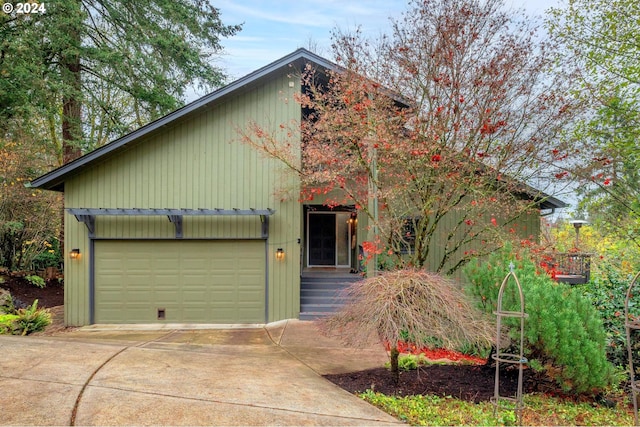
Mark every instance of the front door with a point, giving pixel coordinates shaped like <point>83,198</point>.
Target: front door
<point>328,239</point>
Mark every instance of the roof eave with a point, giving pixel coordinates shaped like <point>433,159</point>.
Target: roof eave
<point>54,180</point>
<point>550,202</point>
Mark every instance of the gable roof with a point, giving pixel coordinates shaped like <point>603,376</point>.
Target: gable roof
<point>54,180</point>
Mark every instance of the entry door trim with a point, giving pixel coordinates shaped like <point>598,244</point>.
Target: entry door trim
<point>348,242</point>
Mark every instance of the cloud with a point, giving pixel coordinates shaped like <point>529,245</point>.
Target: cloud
<point>316,13</point>
<point>274,28</point>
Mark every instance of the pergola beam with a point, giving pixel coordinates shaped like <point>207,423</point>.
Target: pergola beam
<point>88,215</point>
<point>167,212</point>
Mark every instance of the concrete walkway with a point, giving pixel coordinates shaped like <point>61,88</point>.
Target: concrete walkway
<point>148,376</point>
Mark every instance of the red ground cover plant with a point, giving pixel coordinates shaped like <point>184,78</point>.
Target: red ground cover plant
<point>437,353</point>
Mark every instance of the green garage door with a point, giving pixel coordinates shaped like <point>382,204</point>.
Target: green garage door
<point>183,281</point>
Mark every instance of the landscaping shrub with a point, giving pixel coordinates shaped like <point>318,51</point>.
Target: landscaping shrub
<point>409,305</point>
<point>36,281</point>
<point>6,303</point>
<point>607,292</point>
<point>564,332</point>
<point>11,240</point>
<point>24,320</point>
<point>48,256</point>
<point>6,323</point>
<point>411,361</point>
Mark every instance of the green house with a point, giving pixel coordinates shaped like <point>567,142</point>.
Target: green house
<point>180,222</point>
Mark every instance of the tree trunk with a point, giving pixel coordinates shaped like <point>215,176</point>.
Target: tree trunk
<point>71,101</point>
<point>71,111</point>
<point>72,95</point>
<point>394,355</point>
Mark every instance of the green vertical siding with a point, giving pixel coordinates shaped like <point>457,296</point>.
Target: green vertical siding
<point>76,273</point>
<point>197,163</point>
<point>526,227</point>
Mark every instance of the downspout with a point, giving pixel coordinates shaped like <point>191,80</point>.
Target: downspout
<point>372,267</point>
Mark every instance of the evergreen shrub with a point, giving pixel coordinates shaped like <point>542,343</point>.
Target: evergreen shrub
<point>607,292</point>
<point>563,333</point>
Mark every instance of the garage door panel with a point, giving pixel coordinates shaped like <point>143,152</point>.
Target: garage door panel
<point>194,315</point>
<point>196,281</point>
<point>249,278</point>
<point>136,265</point>
<point>193,281</point>
<point>110,298</point>
<point>191,298</point>
<point>251,296</point>
<point>244,312</point>
<point>167,283</point>
<point>217,297</point>
<point>137,296</point>
<point>164,299</point>
<point>230,314</point>
<point>195,264</point>
<point>246,289</point>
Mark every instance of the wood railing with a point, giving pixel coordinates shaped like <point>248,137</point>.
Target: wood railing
<point>573,268</point>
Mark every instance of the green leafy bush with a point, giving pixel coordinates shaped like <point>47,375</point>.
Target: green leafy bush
<point>540,409</point>
<point>36,281</point>
<point>31,319</point>
<point>25,320</point>
<point>564,332</point>
<point>11,240</point>
<point>7,305</point>
<point>6,323</point>
<point>50,256</point>
<point>607,293</point>
<point>408,362</point>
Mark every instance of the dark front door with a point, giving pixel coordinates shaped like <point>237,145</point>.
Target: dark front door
<point>322,239</point>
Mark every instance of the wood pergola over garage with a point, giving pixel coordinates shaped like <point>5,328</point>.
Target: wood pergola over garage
<point>176,280</point>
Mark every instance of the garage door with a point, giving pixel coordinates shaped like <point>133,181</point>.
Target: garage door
<point>179,281</point>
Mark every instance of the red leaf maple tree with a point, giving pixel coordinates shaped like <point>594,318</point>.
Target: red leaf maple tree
<point>432,132</point>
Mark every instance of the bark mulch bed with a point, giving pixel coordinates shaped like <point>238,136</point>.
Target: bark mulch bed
<point>24,293</point>
<point>473,383</point>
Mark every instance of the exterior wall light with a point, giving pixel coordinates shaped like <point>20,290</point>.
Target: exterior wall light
<point>280,254</point>
<point>353,219</point>
<point>74,254</point>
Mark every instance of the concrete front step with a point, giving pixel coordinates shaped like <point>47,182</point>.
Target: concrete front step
<point>329,287</point>
<point>322,299</point>
<point>321,295</point>
<point>350,278</point>
<point>312,315</point>
<point>310,311</point>
<point>324,290</point>
<point>325,283</point>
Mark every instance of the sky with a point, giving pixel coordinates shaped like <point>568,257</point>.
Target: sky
<point>275,28</point>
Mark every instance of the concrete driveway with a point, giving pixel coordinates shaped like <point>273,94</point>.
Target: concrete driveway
<point>178,376</point>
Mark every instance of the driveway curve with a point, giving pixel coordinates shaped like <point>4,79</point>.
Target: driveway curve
<point>178,375</point>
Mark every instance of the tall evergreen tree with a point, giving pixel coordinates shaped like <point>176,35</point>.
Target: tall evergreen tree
<point>147,52</point>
